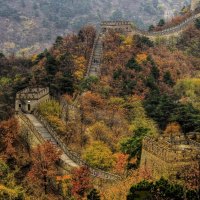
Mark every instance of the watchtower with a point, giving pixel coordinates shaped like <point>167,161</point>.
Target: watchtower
<point>117,26</point>
<point>195,4</point>
<point>29,98</point>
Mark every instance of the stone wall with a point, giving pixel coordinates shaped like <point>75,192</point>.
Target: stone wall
<point>117,26</point>
<point>166,157</point>
<point>28,131</point>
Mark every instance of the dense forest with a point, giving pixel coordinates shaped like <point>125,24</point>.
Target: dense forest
<point>145,88</point>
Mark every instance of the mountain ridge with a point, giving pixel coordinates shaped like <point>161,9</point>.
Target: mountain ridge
<point>29,26</point>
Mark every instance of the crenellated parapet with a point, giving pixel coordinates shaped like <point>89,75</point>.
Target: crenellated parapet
<point>32,93</point>
<point>168,155</point>
<point>28,98</point>
<point>126,27</point>
<point>118,26</point>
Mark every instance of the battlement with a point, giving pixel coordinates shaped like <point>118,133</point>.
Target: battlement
<point>167,156</point>
<point>174,149</point>
<point>117,26</point>
<point>32,93</point>
<point>115,23</point>
<point>28,98</point>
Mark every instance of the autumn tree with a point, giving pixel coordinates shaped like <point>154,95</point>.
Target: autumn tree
<point>81,182</point>
<point>188,91</point>
<point>80,67</point>
<point>51,107</point>
<point>91,103</point>
<point>9,188</point>
<point>116,107</point>
<point>99,131</point>
<point>121,163</point>
<point>43,169</point>
<point>137,115</point>
<point>173,129</point>
<point>99,155</point>
<point>9,131</point>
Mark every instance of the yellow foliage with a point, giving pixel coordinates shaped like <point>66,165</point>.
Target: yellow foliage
<point>128,41</point>
<point>12,193</point>
<point>80,63</point>
<point>99,131</point>
<point>57,123</point>
<point>139,117</point>
<point>189,91</point>
<point>34,57</point>
<point>141,58</point>
<point>99,155</point>
<point>51,107</point>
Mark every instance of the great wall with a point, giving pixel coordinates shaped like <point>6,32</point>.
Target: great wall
<point>170,155</point>
<point>157,149</point>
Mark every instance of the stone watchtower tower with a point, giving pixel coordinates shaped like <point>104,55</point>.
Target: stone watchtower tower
<point>28,98</point>
<point>195,4</point>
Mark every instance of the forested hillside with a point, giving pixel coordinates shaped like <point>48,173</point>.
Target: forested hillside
<point>28,26</point>
<point>145,88</point>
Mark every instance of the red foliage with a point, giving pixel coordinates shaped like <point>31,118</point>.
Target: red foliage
<point>44,158</point>
<point>121,163</point>
<point>8,134</point>
<point>173,22</point>
<point>81,182</point>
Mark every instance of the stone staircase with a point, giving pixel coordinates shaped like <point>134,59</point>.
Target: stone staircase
<point>39,127</point>
<point>96,57</point>
<point>44,132</point>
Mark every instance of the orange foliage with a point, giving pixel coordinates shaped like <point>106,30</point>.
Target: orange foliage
<point>177,63</point>
<point>8,133</point>
<point>121,163</point>
<point>173,129</point>
<point>81,182</point>
<point>145,173</point>
<point>141,58</point>
<point>44,158</point>
<point>63,178</point>
<point>90,104</point>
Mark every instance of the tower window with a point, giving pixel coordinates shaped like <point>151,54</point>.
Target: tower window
<point>20,105</point>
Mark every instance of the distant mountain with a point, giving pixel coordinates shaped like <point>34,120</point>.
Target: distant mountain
<point>27,26</point>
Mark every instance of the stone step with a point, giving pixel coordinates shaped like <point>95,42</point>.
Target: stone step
<point>47,136</point>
